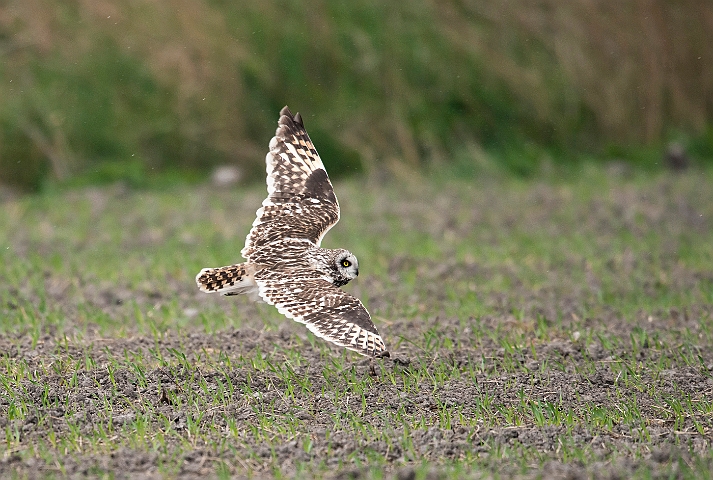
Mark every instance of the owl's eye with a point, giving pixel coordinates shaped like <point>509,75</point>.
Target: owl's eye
<point>346,263</point>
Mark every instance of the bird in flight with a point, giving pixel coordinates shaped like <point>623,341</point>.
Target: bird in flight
<point>285,265</point>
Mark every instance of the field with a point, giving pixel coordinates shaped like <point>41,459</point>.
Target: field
<point>555,326</point>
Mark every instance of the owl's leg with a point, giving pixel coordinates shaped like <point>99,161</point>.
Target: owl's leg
<point>382,354</point>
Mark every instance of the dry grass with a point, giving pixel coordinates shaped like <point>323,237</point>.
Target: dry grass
<point>382,84</point>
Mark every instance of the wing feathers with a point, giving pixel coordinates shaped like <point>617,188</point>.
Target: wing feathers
<point>299,210</point>
<point>330,313</point>
<point>300,199</point>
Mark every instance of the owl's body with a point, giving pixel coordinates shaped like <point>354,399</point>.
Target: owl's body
<point>286,266</point>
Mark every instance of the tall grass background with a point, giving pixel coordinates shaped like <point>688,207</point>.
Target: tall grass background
<point>97,90</point>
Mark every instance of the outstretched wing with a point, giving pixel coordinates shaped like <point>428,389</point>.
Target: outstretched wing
<point>300,203</point>
<point>329,312</point>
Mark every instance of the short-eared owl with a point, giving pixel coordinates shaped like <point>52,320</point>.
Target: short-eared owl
<point>285,265</point>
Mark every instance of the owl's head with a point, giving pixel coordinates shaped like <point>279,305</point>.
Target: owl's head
<point>346,267</point>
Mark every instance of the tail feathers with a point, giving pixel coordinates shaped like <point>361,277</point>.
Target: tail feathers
<point>231,280</point>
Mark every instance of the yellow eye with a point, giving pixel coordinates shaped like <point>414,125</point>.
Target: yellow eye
<point>346,263</point>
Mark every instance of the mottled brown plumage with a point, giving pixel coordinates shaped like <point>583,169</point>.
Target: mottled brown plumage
<point>286,266</point>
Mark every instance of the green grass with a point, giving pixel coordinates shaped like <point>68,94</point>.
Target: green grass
<point>566,320</point>
<point>122,90</point>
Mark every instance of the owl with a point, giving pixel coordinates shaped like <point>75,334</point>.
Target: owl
<point>285,265</point>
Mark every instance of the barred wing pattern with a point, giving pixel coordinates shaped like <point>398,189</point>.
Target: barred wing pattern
<point>285,265</point>
<point>327,311</point>
<point>300,202</point>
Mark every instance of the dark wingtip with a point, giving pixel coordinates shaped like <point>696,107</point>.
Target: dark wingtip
<point>286,118</point>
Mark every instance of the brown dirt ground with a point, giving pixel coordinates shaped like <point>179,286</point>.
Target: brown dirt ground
<point>583,375</point>
<point>574,390</point>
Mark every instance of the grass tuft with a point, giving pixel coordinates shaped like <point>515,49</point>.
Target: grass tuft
<point>550,327</point>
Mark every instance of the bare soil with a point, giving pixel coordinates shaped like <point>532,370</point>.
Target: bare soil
<point>566,367</point>
<point>571,389</point>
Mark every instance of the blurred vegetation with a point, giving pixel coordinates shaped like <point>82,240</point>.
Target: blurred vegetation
<point>96,90</point>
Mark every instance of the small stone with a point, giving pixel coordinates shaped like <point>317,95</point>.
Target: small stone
<point>226,176</point>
